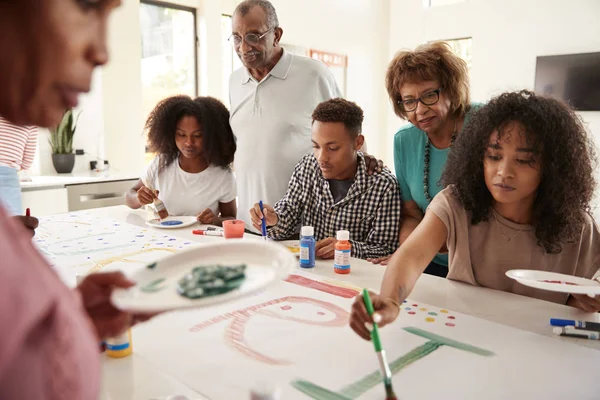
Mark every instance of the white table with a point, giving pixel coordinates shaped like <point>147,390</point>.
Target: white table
<point>134,378</point>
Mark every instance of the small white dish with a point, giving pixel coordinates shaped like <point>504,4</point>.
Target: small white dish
<point>156,290</point>
<point>171,222</point>
<point>555,282</point>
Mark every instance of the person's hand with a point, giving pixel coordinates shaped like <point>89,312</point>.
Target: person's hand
<point>207,217</point>
<point>373,164</point>
<point>96,290</point>
<point>584,302</point>
<point>268,212</point>
<point>30,223</point>
<point>146,196</point>
<point>325,249</point>
<point>386,311</point>
<point>380,260</point>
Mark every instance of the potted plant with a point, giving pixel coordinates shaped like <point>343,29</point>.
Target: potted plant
<point>61,142</point>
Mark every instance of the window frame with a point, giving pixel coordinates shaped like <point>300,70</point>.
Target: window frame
<point>193,10</point>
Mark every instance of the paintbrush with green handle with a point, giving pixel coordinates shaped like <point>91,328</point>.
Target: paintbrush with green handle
<point>383,364</point>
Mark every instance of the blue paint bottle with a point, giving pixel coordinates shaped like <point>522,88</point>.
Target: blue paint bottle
<point>307,247</point>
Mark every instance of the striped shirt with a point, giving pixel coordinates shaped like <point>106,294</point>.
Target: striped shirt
<point>17,145</point>
<point>370,210</point>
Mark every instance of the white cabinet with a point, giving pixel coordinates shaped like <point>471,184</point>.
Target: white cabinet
<point>95,195</point>
<point>44,202</point>
<point>61,198</point>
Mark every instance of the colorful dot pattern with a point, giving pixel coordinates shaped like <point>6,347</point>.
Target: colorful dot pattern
<point>441,316</point>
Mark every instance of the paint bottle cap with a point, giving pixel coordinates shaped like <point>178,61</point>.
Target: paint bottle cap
<point>558,330</point>
<point>263,390</point>
<point>307,231</point>
<point>343,235</point>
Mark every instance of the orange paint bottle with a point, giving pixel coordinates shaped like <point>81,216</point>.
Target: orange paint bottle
<point>343,250</point>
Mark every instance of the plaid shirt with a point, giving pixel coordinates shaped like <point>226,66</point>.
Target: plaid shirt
<point>370,210</point>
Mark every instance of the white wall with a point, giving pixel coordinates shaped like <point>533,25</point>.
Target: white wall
<point>122,91</point>
<point>89,134</point>
<point>507,35</point>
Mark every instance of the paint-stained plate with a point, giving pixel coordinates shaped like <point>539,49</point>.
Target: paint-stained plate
<point>554,282</point>
<point>156,290</point>
<point>172,222</point>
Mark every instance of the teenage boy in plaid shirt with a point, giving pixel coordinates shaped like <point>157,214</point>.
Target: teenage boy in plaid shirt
<point>331,190</point>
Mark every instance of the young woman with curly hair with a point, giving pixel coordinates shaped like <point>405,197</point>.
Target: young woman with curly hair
<point>191,173</point>
<point>429,87</point>
<point>520,181</point>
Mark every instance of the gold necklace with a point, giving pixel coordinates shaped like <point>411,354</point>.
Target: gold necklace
<point>508,238</point>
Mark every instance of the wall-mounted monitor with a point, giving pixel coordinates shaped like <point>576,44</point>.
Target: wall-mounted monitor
<point>574,78</point>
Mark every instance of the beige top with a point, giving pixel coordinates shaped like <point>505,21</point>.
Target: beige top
<point>481,254</point>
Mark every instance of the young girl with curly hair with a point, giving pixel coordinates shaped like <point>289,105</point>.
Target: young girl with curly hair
<point>520,184</point>
<point>191,173</point>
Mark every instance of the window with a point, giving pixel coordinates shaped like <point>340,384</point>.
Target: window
<point>231,61</point>
<point>169,52</point>
<point>462,48</point>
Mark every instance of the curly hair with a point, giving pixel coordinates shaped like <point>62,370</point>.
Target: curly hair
<point>218,141</point>
<point>560,144</point>
<point>430,62</point>
<point>340,110</point>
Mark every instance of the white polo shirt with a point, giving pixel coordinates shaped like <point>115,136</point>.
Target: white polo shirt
<point>271,120</point>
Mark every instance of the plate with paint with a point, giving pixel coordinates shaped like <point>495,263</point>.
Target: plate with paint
<point>172,222</point>
<point>206,275</point>
<point>554,281</point>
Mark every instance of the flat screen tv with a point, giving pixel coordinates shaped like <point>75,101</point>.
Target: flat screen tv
<point>574,78</point>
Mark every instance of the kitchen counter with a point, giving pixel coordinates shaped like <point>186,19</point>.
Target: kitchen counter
<point>54,181</point>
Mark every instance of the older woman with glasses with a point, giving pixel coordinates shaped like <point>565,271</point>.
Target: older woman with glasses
<point>429,87</point>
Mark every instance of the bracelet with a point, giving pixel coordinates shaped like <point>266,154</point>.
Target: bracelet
<point>394,302</point>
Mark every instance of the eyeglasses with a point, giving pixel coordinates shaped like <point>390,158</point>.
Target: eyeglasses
<point>251,38</point>
<point>428,99</point>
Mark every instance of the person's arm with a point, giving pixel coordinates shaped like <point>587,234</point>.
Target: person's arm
<point>382,239</point>
<point>139,195</point>
<point>227,203</point>
<point>95,292</point>
<point>411,217</point>
<point>406,266</point>
<point>227,211</point>
<point>588,265</point>
<point>411,259</point>
<point>30,146</point>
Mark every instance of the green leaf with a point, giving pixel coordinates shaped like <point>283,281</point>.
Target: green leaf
<point>61,137</point>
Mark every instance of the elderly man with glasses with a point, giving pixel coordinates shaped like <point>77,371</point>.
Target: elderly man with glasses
<point>272,98</point>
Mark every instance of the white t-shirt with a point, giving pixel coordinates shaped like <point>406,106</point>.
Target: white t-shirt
<point>187,193</point>
<point>271,120</point>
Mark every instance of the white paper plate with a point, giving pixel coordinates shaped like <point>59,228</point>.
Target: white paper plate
<point>554,282</point>
<point>267,263</point>
<point>158,223</point>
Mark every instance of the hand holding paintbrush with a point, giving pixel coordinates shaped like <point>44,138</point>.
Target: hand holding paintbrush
<point>148,195</point>
<point>383,364</point>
